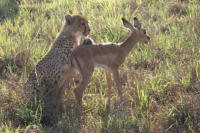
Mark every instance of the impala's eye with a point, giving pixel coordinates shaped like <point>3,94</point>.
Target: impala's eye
<point>144,31</point>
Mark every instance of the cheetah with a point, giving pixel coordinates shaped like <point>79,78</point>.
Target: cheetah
<point>49,70</point>
<point>49,74</point>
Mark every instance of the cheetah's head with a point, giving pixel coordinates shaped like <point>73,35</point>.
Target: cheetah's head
<point>77,24</point>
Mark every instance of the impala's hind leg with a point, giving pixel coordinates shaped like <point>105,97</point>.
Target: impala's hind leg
<point>109,84</point>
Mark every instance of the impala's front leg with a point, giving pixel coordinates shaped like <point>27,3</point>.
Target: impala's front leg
<point>86,76</point>
<point>109,79</point>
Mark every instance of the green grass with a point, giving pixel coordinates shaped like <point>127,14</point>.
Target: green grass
<point>163,78</point>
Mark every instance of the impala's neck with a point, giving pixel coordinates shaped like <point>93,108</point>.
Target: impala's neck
<point>128,44</point>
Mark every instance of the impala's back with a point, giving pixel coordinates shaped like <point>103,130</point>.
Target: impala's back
<point>98,55</point>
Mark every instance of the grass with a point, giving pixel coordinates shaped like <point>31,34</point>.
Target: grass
<point>162,89</point>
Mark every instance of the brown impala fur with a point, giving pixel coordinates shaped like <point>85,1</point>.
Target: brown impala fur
<point>84,58</point>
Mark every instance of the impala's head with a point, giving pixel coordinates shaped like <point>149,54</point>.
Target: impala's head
<point>77,25</point>
<point>136,30</point>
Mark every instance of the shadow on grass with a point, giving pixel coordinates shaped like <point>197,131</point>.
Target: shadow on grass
<point>70,122</point>
<point>105,113</point>
<point>114,120</point>
<point>8,9</point>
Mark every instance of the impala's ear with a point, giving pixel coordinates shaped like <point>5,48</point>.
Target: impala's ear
<point>136,23</point>
<point>127,24</point>
<point>68,19</point>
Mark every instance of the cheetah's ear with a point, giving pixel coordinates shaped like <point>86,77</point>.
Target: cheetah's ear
<point>68,19</point>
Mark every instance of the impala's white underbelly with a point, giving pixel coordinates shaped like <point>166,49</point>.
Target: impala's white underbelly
<point>102,66</point>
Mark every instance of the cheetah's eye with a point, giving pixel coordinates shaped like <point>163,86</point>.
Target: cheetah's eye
<point>83,24</point>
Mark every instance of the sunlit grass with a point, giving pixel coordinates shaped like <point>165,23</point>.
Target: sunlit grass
<point>163,78</point>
